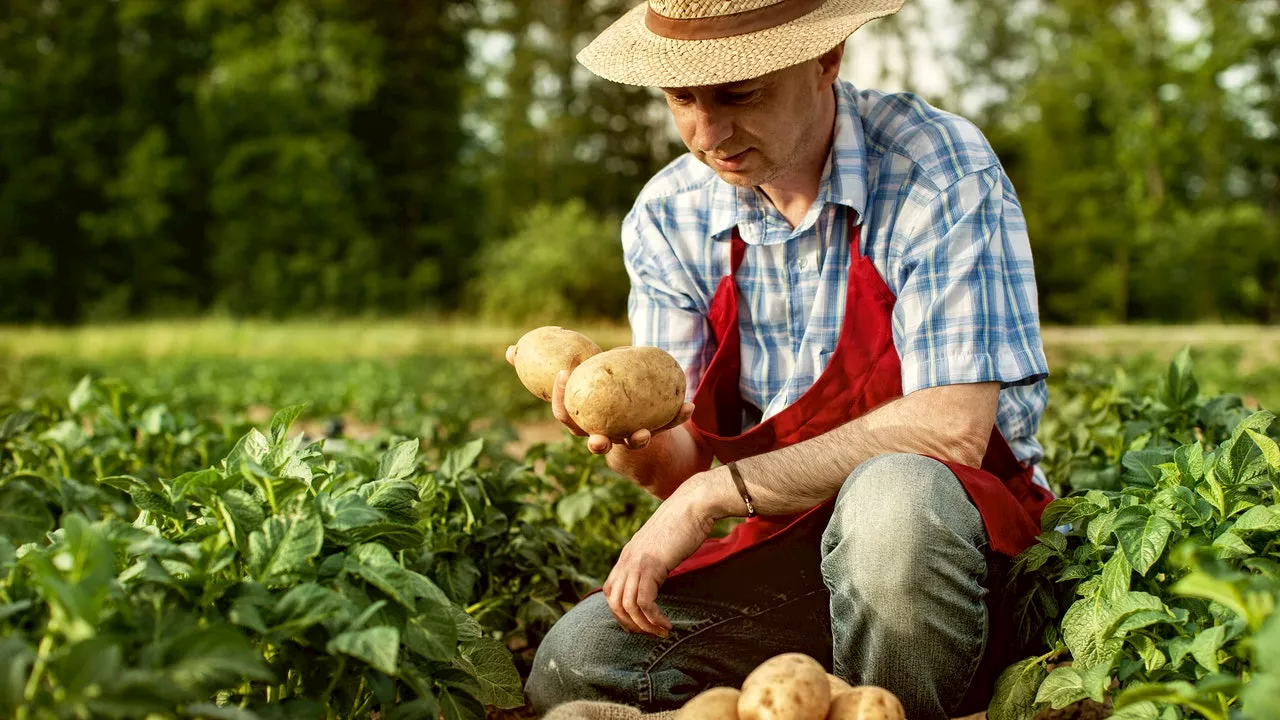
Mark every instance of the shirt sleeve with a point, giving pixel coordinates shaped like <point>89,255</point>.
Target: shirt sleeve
<point>967,309</point>
<point>663,304</point>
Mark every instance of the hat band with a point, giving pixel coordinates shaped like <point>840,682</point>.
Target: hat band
<point>722,26</point>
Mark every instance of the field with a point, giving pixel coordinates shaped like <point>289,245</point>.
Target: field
<point>176,540</point>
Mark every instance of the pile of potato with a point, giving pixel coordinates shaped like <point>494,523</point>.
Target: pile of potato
<point>793,686</point>
<point>612,393</point>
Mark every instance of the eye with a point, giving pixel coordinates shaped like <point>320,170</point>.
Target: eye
<point>680,98</point>
<point>737,98</point>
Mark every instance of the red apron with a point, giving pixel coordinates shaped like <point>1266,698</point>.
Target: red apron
<point>864,372</point>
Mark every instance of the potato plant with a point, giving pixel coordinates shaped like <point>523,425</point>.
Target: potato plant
<point>1158,595</point>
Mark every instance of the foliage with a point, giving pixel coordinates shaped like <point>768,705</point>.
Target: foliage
<point>561,263</point>
<point>1165,581</point>
<point>211,569</point>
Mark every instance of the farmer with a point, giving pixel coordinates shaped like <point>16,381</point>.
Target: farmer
<point>846,279</point>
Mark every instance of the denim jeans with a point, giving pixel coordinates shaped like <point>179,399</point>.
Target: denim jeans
<point>890,590</point>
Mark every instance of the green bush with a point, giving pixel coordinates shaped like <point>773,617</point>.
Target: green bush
<point>563,263</point>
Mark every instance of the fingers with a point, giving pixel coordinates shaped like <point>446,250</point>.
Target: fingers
<point>557,405</point>
<point>511,354</point>
<point>615,593</point>
<point>632,599</point>
<point>686,412</point>
<point>639,439</point>
<point>599,444</point>
<point>647,601</point>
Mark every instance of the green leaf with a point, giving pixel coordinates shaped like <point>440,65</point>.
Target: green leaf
<point>1206,645</point>
<point>377,646</point>
<point>303,606</point>
<point>201,483</point>
<point>16,657</point>
<point>81,396</point>
<point>399,462</point>
<point>74,576</point>
<point>490,663</point>
<point>16,423</point>
<point>396,499</point>
<point>252,447</point>
<point>1142,466</point>
<point>1015,693</point>
<point>350,512</point>
<point>1084,631</point>
<point>24,517</point>
<point>433,635</point>
<point>1175,692</point>
<point>280,553</point>
<point>1069,684</point>
<point>456,705</point>
<point>1232,545</point>
<point>1199,584</point>
<point>1116,574</point>
<point>1152,656</point>
<point>468,628</point>
<point>461,458</point>
<point>283,420</point>
<point>241,513</point>
<point>1142,710</point>
<point>1259,518</point>
<point>424,708</point>
<point>1270,450</point>
<point>210,711</point>
<point>214,655</point>
<point>1190,461</point>
<point>1142,535</point>
<point>1099,529</point>
<point>575,507</point>
<point>1211,490</point>
<point>375,565</point>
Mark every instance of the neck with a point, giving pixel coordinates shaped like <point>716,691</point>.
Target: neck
<point>794,192</point>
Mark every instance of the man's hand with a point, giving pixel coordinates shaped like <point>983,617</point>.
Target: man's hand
<point>670,536</point>
<point>601,444</point>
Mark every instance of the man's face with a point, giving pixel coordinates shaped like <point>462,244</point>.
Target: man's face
<point>753,131</point>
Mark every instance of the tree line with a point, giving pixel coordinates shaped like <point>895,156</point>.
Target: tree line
<point>272,158</point>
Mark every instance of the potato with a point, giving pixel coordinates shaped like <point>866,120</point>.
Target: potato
<point>625,389</point>
<point>837,685</point>
<point>719,703</point>
<point>791,686</point>
<point>866,702</point>
<point>544,352</point>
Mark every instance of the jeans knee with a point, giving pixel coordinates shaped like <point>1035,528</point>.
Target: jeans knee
<point>579,659</point>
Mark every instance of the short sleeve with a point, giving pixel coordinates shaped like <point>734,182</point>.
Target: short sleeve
<point>663,306</point>
<point>967,309</point>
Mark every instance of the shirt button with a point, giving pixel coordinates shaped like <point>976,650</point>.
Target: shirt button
<point>802,263</point>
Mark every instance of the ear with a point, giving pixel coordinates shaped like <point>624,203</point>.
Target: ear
<point>829,65</point>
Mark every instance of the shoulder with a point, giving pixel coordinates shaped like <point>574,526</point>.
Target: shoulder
<point>937,147</point>
<point>684,184</point>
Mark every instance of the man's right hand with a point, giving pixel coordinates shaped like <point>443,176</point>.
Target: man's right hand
<point>601,444</point>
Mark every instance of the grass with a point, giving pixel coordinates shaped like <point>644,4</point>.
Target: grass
<point>1259,347</point>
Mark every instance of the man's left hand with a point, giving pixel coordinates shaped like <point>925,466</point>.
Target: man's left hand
<point>668,537</point>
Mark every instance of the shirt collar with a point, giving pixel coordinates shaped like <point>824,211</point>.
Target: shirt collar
<point>844,178</point>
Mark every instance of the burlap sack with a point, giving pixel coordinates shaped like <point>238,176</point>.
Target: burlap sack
<point>591,710</point>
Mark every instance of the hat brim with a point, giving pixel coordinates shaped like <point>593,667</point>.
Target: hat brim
<point>628,52</point>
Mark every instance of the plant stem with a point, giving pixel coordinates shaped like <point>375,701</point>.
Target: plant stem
<point>37,670</point>
<point>333,683</point>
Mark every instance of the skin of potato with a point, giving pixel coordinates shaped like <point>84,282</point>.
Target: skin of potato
<point>791,686</point>
<point>625,389</point>
<point>720,703</point>
<point>866,702</point>
<point>837,685</point>
<point>545,351</point>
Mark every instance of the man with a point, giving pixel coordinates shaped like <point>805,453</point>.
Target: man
<point>846,279</point>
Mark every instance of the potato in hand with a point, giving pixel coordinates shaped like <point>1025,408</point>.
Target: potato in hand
<point>623,390</point>
<point>542,353</point>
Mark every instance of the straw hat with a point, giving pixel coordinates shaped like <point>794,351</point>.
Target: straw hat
<point>686,43</point>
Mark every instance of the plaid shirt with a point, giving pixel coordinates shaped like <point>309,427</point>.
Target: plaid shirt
<point>940,222</point>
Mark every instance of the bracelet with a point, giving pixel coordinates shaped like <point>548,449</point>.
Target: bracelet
<point>742,489</point>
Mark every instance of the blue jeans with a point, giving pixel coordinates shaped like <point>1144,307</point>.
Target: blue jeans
<point>891,590</point>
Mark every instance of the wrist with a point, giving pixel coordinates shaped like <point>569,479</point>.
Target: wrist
<point>715,495</point>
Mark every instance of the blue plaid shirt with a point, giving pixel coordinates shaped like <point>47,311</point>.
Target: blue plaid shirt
<point>940,222</point>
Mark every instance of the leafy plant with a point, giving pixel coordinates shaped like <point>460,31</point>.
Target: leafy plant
<point>1160,592</point>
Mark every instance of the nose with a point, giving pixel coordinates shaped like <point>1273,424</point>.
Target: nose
<point>712,126</point>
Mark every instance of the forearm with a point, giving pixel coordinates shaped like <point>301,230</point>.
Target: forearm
<point>668,460</point>
<point>800,476</point>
